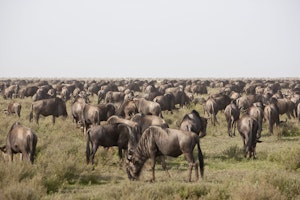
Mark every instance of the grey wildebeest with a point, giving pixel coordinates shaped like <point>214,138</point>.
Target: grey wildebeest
<point>13,108</point>
<point>20,139</point>
<point>195,123</point>
<point>156,141</point>
<point>54,106</point>
<point>232,114</point>
<point>107,135</point>
<point>249,129</point>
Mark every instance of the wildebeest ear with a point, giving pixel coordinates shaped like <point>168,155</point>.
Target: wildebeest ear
<point>3,148</point>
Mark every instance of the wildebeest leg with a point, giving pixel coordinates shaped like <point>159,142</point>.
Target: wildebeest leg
<point>94,150</point>
<point>190,158</point>
<point>120,156</point>
<point>234,127</point>
<point>37,116</point>
<point>153,160</point>
<point>164,166</point>
<point>11,155</point>
<point>229,128</point>
<point>53,120</point>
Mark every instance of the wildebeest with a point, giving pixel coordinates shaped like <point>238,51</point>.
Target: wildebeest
<point>249,130</point>
<point>42,93</point>
<point>271,115</point>
<point>11,91</point>
<point>107,135</point>
<point>256,111</point>
<point>20,139</point>
<point>54,106</point>
<point>156,141</point>
<point>13,107</point>
<point>166,101</point>
<point>28,91</point>
<point>145,121</point>
<point>214,104</point>
<point>195,123</point>
<point>114,97</point>
<point>77,108</point>
<point>127,109</point>
<point>147,107</point>
<point>232,114</point>
<point>93,115</point>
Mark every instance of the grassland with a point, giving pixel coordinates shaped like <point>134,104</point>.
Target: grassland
<point>60,171</point>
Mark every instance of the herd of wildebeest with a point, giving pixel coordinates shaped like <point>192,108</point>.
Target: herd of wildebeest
<point>130,112</point>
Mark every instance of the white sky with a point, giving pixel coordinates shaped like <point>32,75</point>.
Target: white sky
<point>157,38</point>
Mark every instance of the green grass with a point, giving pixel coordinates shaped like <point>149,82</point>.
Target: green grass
<point>60,171</point>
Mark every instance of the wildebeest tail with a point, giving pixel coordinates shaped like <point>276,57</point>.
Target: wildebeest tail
<point>31,113</point>
<point>200,158</point>
<point>32,140</point>
<point>250,138</point>
<point>88,150</point>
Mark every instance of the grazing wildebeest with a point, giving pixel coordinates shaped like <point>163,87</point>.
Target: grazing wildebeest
<point>54,106</point>
<point>107,135</point>
<point>13,107</point>
<point>156,141</point>
<point>249,130</point>
<point>20,139</point>
<point>232,114</point>
<point>195,123</point>
<point>140,122</point>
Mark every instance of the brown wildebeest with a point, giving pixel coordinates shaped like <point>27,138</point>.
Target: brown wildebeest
<point>195,123</point>
<point>249,130</point>
<point>13,107</point>
<point>20,139</point>
<point>54,106</point>
<point>156,141</point>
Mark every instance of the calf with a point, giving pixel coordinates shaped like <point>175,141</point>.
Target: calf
<point>20,139</point>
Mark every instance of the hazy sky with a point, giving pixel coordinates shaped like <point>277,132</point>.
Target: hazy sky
<point>157,38</point>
